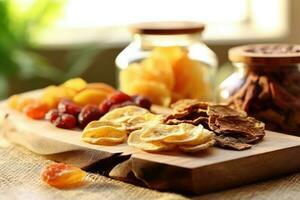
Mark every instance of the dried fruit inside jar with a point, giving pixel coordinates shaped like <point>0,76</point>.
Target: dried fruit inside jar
<point>266,85</point>
<point>167,67</point>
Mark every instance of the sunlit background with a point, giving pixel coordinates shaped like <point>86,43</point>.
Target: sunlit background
<point>47,41</point>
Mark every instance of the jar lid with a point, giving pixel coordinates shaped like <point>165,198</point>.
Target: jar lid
<point>167,28</point>
<point>266,54</point>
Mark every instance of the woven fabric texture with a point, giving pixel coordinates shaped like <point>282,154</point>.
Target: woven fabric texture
<point>20,179</point>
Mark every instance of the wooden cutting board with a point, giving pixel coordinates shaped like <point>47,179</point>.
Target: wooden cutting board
<point>211,170</point>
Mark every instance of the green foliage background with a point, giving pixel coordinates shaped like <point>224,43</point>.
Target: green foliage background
<point>21,22</point>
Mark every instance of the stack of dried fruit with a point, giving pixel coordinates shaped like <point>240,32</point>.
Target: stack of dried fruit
<point>75,103</point>
<point>146,131</point>
<point>233,128</point>
<point>167,75</point>
<point>273,97</point>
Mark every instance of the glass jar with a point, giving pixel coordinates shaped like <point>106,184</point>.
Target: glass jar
<point>167,61</point>
<point>266,84</point>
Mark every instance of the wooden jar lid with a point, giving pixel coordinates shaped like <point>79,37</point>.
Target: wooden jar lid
<point>266,54</point>
<point>167,28</point>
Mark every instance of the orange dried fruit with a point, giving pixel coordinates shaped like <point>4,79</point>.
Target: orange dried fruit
<point>13,101</point>
<point>36,110</point>
<point>22,102</point>
<point>76,84</point>
<point>53,94</point>
<point>172,53</point>
<point>101,86</point>
<point>156,92</point>
<point>90,96</point>
<point>60,175</point>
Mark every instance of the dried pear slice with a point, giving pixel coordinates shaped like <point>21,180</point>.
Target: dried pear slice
<point>192,134</point>
<point>160,132</point>
<point>134,140</point>
<point>122,115</point>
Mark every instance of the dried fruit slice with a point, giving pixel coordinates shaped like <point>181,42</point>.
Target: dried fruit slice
<point>171,53</point>
<point>140,121</point>
<point>156,92</point>
<point>192,134</point>
<point>123,114</point>
<point>53,94</point>
<point>134,140</point>
<point>103,134</point>
<point>160,132</point>
<point>76,84</point>
<point>101,86</point>
<point>60,175</point>
<point>36,110</point>
<point>90,96</point>
<point>157,68</point>
<point>196,148</point>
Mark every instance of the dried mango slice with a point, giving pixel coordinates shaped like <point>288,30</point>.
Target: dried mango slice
<point>192,133</point>
<point>196,148</point>
<point>103,134</point>
<point>101,86</point>
<point>76,84</point>
<point>134,140</point>
<point>160,132</point>
<point>90,96</point>
<point>122,115</point>
<point>156,92</point>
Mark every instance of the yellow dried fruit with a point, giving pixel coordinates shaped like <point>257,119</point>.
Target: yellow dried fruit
<point>90,96</point>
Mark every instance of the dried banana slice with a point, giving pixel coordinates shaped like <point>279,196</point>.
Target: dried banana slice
<point>103,134</point>
<point>134,140</point>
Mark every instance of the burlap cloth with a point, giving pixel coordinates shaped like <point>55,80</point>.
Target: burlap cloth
<point>20,179</point>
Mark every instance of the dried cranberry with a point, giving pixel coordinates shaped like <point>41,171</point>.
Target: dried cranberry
<point>119,105</point>
<point>119,97</point>
<point>69,107</point>
<point>89,113</point>
<point>142,101</point>
<point>66,121</point>
<point>52,115</point>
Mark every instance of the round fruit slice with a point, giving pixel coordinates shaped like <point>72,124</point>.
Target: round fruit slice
<point>123,114</point>
<point>196,148</point>
<point>192,133</point>
<point>103,135</point>
<point>156,92</point>
<point>160,132</point>
<point>141,121</point>
<point>134,140</point>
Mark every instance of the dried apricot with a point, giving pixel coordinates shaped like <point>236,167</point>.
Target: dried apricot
<point>101,86</point>
<point>60,175</point>
<point>76,84</point>
<point>23,102</point>
<point>90,96</point>
<point>13,101</point>
<point>36,110</point>
<point>53,94</point>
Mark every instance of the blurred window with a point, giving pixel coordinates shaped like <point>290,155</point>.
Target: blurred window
<point>227,21</point>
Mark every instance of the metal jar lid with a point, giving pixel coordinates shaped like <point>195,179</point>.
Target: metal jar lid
<point>266,54</point>
<point>167,28</point>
